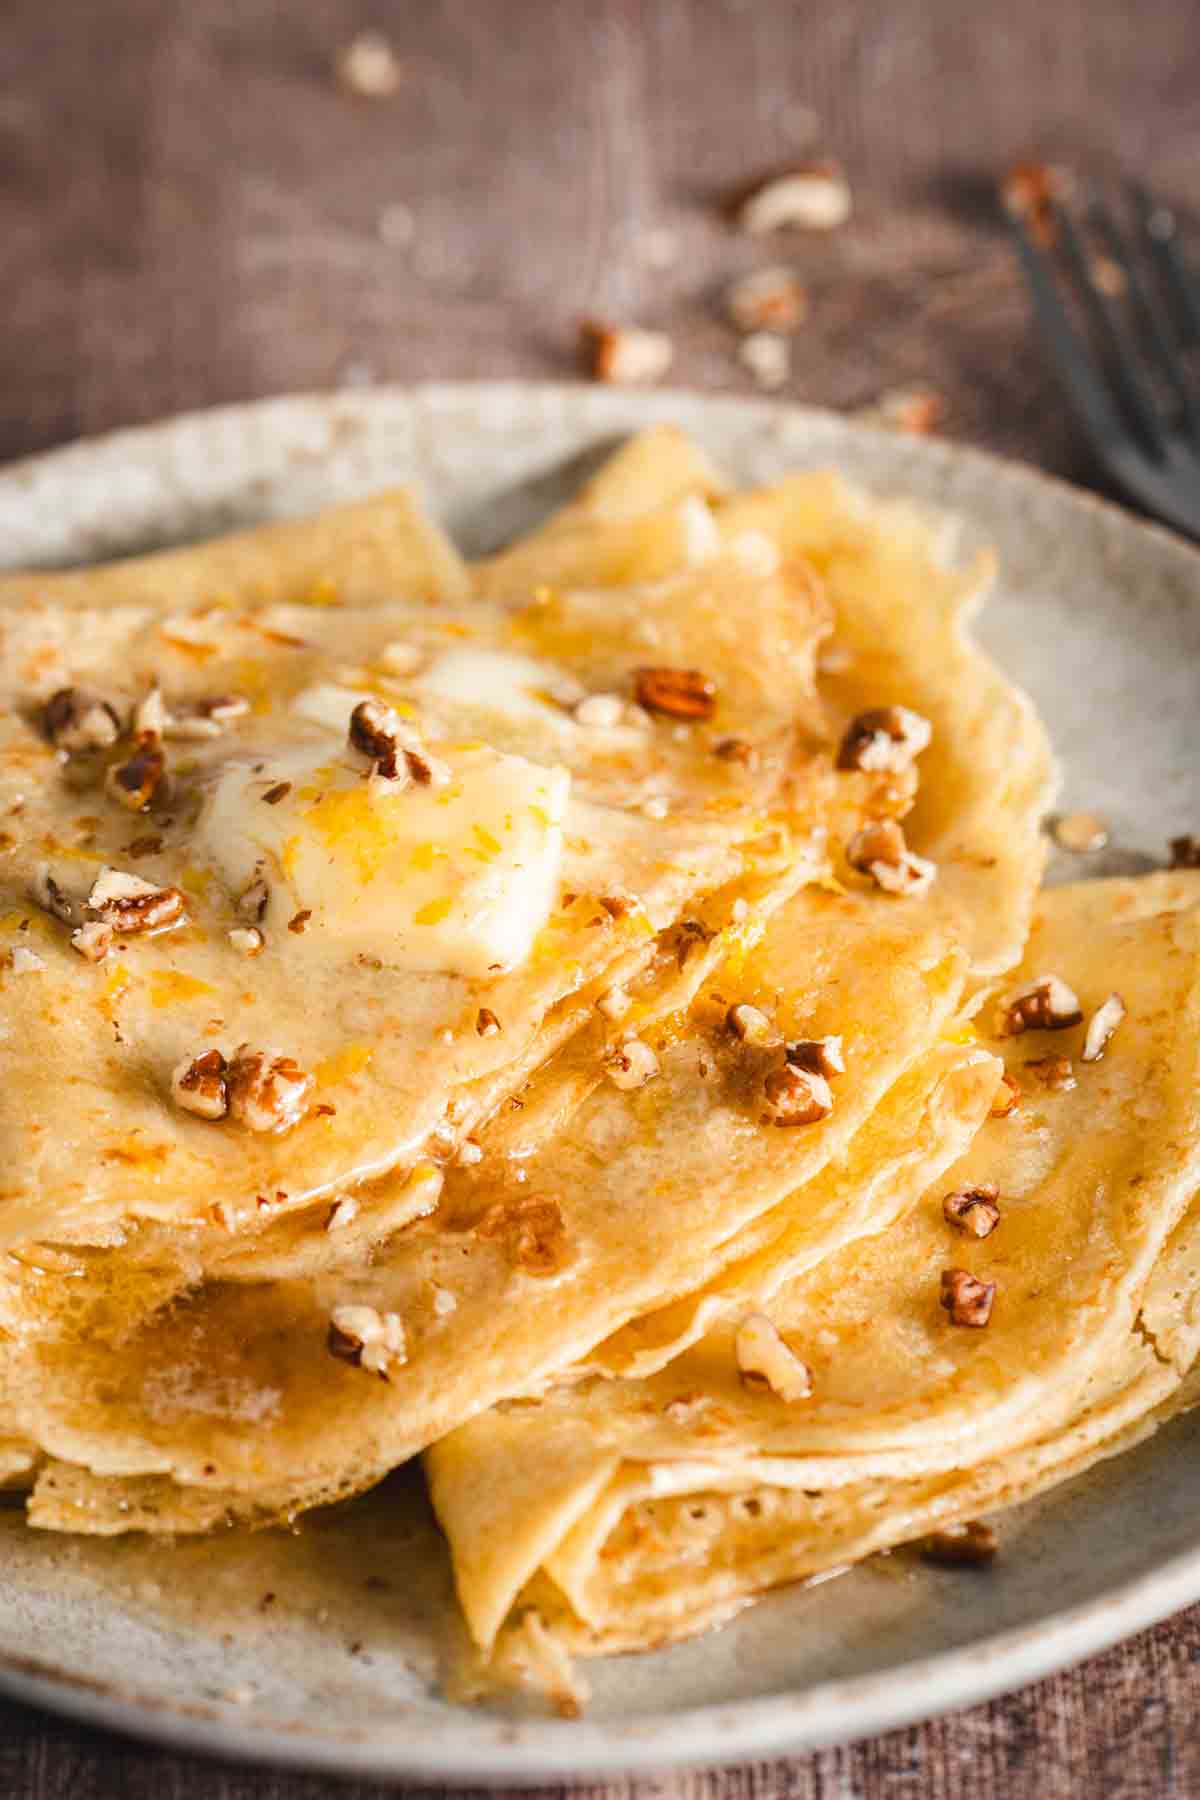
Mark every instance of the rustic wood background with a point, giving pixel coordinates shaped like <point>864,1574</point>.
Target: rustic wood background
<point>192,212</point>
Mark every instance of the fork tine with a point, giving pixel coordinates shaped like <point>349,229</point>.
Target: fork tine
<point>1121,351</point>
<point>1159,230</point>
<point>1150,315</point>
<point>1069,356</point>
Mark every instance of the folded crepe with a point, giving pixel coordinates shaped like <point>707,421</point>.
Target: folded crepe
<point>901,616</point>
<point>382,548</point>
<point>630,1511</point>
<point>667,1354</point>
<point>529,1259</point>
<point>412,937</point>
<point>593,1207</point>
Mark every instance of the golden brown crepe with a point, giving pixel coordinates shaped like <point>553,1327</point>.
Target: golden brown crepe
<point>533,1250</point>
<point>263,1286</point>
<point>541,1203</point>
<point>389,1036</point>
<point>666,1501</point>
<point>384,548</point>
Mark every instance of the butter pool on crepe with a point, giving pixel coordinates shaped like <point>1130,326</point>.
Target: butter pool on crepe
<point>484,891</point>
<point>682,1494</point>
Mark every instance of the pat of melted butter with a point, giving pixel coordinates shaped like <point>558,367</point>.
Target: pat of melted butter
<point>458,879</point>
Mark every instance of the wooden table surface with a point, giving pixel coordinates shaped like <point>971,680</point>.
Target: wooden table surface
<point>193,212</point>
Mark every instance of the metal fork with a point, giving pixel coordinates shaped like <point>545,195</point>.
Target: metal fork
<point>1150,449</point>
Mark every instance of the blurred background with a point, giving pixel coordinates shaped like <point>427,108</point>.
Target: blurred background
<point>212,201</point>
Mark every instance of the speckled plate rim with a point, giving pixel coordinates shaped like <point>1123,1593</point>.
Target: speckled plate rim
<point>136,486</point>
<point>534,1752</point>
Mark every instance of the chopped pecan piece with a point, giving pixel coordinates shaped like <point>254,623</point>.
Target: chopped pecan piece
<point>631,1064</point>
<point>267,1091</point>
<point>1046,1004</point>
<point>885,738</point>
<point>1029,191</point>
<point>131,906</point>
<point>768,300</point>
<point>252,901</point>
<point>970,1545</point>
<point>614,1003</point>
<point>368,1339</point>
<point>1054,1072</point>
<point>916,410</point>
<point>1185,851</point>
<point>136,781</point>
<point>624,355</point>
<point>1108,276</point>
<point>967,1299</point>
<point>1101,1026</point>
<point>768,358</point>
<point>368,67</point>
<point>749,1024</point>
<point>532,1232</point>
<point>150,845</point>
<point>426,770</point>
<point>206,718</point>
<point>376,731</point>
<point>298,923</point>
<point>1007,1098</point>
<point>486,1022</point>
<point>117,904</point>
<point>93,940</point>
<point>676,693</point>
<point>275,795</point>
<point>797,1096</point>
<point>973,1209</point>
<point>814,196</point>
<point>76,719</point>
<point>817,1056</point>
<point>51,897</point>
<point>690,936</point>
<point>198,1085</point>
<point>880,851</point>
<point>765,1360</point>
<point>737,750</point>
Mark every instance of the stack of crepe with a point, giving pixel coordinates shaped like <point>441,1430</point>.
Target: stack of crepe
<point>589,1017</point>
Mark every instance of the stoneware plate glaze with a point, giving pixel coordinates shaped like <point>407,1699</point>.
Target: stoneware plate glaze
<point>338,1646</point>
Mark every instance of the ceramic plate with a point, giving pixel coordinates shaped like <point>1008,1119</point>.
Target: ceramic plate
<point>337,1646</point>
